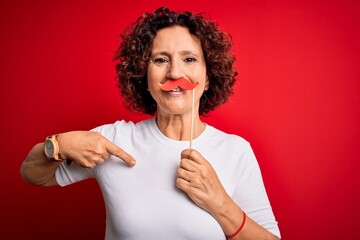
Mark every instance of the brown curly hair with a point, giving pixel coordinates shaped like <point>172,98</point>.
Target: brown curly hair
<point>133,55</point>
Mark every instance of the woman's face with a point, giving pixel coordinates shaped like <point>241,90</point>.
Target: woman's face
<point>176,54</point>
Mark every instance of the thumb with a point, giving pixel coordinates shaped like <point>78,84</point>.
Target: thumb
<point>193,155</point>
<point>118,152</point>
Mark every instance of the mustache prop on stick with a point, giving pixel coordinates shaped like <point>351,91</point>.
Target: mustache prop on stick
<point>181,83</point>
<point>186,85</point>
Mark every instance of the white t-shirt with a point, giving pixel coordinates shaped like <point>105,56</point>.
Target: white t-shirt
<point>143,202</point>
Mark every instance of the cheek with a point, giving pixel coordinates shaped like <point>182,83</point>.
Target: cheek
<point>152,83</point>
<point>150,79</point>
<point>153,75</point>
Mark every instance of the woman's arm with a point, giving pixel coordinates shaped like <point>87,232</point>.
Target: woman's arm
<point>231,217</point>
<point>84,148</point>
<point>199,180</point>
<point>37,169</point>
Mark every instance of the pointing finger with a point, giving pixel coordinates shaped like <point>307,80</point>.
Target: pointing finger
<point>118,152</point>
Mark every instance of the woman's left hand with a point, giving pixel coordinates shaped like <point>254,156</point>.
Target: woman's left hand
<point>198,179</point>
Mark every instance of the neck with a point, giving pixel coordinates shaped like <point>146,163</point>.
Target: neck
<point>178,127</point>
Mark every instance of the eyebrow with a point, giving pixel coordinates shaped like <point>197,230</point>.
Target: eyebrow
<point>184,52</point>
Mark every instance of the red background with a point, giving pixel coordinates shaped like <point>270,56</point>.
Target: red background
<point>297,101</point>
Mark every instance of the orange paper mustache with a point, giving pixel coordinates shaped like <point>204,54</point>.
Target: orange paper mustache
<point>183,83</point>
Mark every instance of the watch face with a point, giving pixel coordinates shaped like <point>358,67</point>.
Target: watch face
<point>49,149</point>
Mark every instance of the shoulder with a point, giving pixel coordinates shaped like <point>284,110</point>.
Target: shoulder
<point>122,126</point>
<point>228,138</point>
<point>217,144</point>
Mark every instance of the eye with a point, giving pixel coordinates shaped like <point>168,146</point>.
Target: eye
<point>190,59</point>
<point>160,61</point>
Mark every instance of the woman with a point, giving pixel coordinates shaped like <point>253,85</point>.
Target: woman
<point>213,190</point>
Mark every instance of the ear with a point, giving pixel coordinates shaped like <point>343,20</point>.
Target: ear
<point>207,83</point>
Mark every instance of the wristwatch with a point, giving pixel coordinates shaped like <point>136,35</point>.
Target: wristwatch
<point>51,148</point>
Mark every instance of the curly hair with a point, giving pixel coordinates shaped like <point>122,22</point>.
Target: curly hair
<point>134,52</point>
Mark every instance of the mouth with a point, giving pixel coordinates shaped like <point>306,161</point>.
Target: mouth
<point>177,89</point>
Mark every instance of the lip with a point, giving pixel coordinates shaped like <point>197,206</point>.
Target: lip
<point>176,93</point>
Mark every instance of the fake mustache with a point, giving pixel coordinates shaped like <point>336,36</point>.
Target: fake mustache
<point>182,83</point>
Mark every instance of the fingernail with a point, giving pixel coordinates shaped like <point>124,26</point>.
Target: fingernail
<point>132,163</point>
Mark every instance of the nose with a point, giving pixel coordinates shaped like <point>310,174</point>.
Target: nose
<point>175,70</point>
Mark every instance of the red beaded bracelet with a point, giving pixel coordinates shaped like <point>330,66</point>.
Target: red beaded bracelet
<point>241,227</point>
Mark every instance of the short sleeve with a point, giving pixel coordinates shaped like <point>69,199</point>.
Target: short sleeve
<point>250,194</point>
<point>68,174</point>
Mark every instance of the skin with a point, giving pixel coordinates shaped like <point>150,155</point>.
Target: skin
<point>83,147</point>
<point>175,54</point>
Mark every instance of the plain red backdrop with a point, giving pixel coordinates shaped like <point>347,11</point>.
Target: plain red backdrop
<point>297,101</point>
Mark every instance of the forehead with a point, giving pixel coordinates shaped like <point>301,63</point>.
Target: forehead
<point>176,38</point>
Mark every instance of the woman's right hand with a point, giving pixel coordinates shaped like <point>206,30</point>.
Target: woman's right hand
<point>87,148</point>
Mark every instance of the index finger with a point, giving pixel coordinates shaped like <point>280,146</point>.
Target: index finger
<point>118,152</point>
<point>192,154</point>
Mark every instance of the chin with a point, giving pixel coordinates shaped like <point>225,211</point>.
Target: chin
<point>176,111</point>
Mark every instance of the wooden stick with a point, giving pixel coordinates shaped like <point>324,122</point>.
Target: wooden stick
<point>192,118</point>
